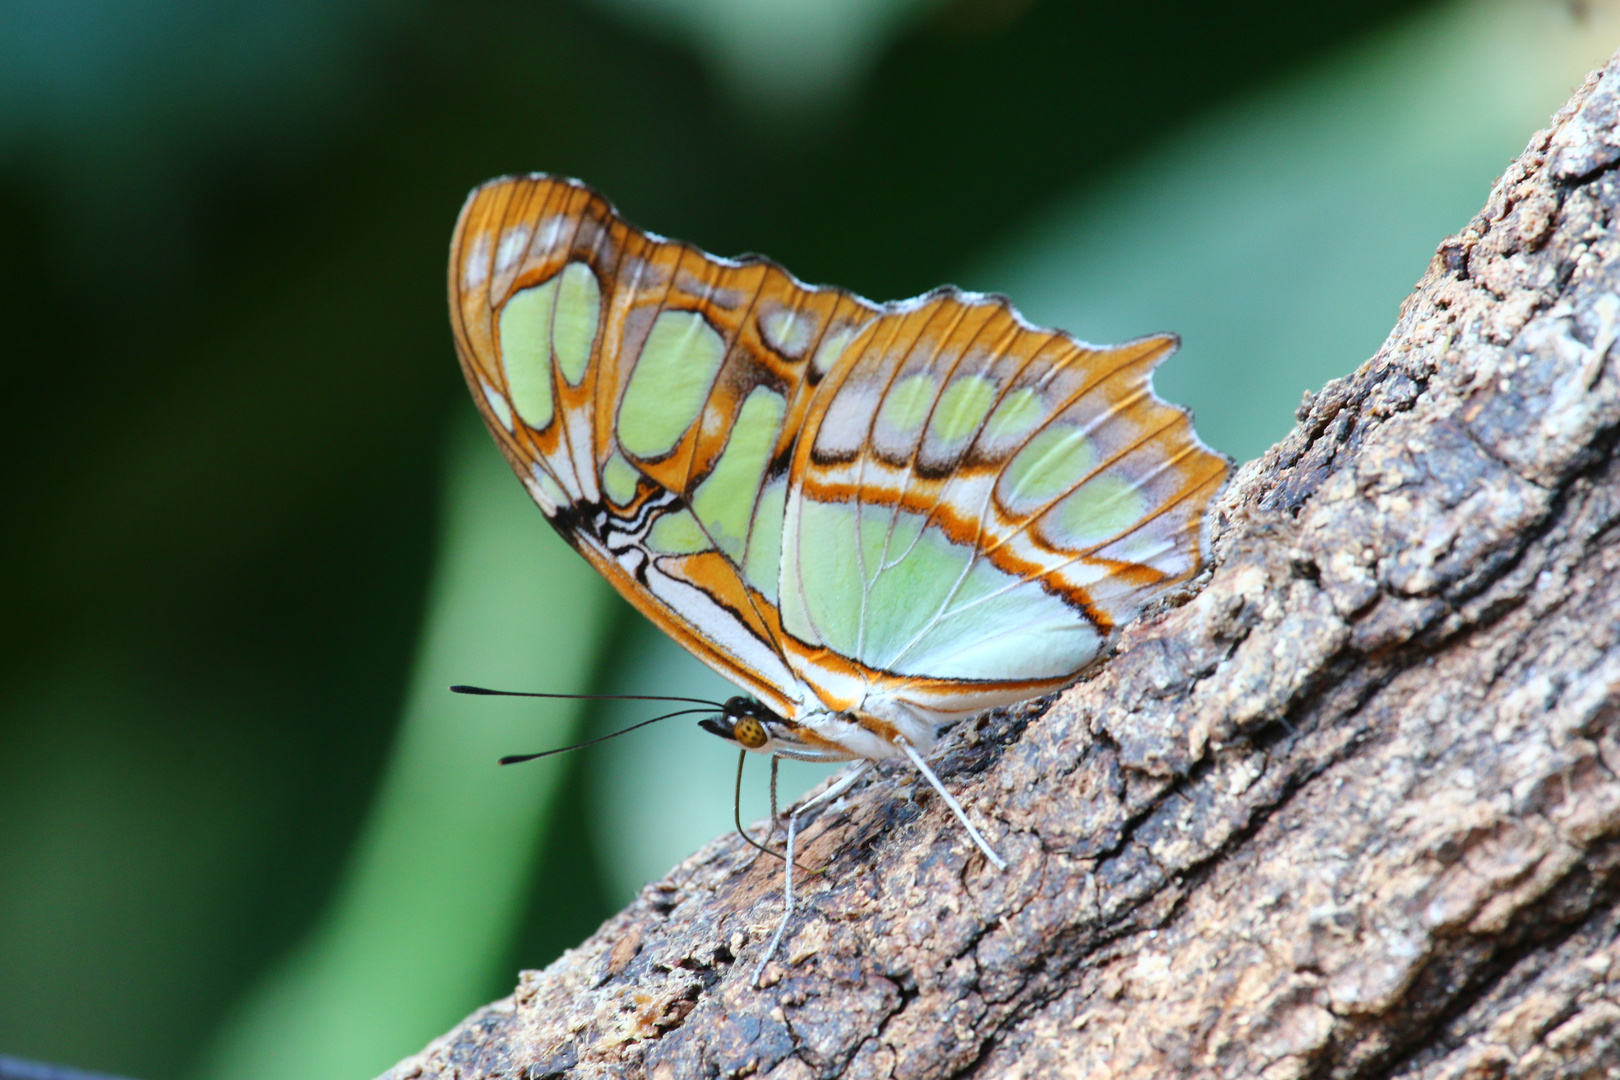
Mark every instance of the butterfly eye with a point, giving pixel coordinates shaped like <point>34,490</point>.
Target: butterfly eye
<point>750,732</point>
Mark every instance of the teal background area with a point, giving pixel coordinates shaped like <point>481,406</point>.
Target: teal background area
<point>253,529</point>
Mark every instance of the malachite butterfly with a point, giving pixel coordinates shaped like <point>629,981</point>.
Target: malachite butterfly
<point>875,518</point>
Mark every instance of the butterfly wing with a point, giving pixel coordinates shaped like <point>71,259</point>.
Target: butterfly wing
<point>975,504</point>
<point>928,502</point>
<point>647,395</point>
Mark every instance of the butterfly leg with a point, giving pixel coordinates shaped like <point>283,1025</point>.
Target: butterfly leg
<point>736,811</point>
<point>950,801</point>
<point>787,875</point>
<point>775,763</point>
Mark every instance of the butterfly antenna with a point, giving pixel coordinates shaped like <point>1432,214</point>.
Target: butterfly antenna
<point>487,692</point>
<point>513,759</point>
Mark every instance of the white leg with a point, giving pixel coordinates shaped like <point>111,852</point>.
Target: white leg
<point>956,807</point>
<point>787,873</point>
<point>787,905</point>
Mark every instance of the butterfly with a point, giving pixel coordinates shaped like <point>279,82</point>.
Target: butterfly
<point>876,519</point>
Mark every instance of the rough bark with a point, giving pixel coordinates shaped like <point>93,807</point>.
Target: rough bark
<point>1352,810</point>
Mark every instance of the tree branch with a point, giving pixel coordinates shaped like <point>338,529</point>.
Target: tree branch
<point>1351,811</point>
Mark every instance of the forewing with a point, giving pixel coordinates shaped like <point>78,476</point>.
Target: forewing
<point>647,394</point>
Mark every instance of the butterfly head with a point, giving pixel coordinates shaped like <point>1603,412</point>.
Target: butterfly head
<point>747,723</point>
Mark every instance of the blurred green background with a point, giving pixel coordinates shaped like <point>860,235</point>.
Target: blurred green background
<point>252,530</point>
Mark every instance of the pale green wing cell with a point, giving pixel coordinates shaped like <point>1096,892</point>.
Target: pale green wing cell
<point>670,383</point>
<point>578,311</point>
<point>832,346</point>
<point>525,336</point>
<point>1014,419</point>
<point>619,479</point>
<point>935,608</point>
<point>725,499</point>
<point>904,411</point>
<point>822,584</point>
<point>1135,511</point>
<point>677,532</point>
<point>497,404</point>
<point>1050,464</point>
<point>556,319</point>
<point>762,563</point>
<point>958,415</point>
<point>1097,511</point>
<point>1001,627</point>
